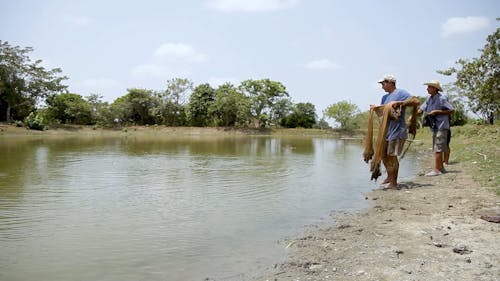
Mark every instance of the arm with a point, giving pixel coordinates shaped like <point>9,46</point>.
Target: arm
<point>441,112</point>
<point>446,108</point>
<point>411,101</point>
<point>378,109</point>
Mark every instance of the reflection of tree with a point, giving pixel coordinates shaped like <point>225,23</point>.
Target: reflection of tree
<point>19,153</point>
<point>299,145</point>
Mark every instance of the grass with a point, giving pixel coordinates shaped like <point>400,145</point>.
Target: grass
<point>477,147</point>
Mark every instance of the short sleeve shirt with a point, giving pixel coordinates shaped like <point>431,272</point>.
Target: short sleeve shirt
<point>438,102</point>
<point>397,128</point>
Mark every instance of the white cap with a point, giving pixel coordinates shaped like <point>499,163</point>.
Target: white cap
<point>388,78</point>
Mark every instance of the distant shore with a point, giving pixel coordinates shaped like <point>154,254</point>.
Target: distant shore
<point>163,130</point>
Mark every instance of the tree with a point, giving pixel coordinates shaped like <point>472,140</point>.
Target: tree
<point>303,115</point>
<point>99,110</point>
<point>263,94</point>
<point>69,108</point>
<point>231,107</point>
<point>201,99</point>
<point>24,83</point>
<point>174,98</point>
<point>280,110</point>
<point>478,79</point>
<point>459,116</point>
<point>343,113</point>
<point>134,107</point>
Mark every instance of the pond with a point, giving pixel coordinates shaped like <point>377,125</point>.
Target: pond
<point>168,208</point>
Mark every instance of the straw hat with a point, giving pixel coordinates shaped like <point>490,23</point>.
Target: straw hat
<point>435,84</point>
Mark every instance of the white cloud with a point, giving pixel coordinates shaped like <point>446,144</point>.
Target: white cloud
<point>322,64</point>
<point>157,71</point>
<point>178,53</point>
<point>464,25</point>
<point>251,5</point>
<point>170,60</point>
<point>77,20</point>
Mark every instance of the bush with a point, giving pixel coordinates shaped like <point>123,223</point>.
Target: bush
<point>35,121</point>
<point>19,123</point>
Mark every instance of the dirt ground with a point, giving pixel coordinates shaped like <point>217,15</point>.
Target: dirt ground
<point>430,229</point>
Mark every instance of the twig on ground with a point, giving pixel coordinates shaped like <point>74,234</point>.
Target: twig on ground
<point>484,155</point>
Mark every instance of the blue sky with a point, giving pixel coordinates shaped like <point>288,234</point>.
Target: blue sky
<point>323,51</point>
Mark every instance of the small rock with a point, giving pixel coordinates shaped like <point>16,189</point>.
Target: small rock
<point>461,250</point>
<point>438,244</point>
<point>361,272</point>
<point>315,267</point>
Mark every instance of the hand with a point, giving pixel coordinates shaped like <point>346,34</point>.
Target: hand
<point>395,103</point>
<point>434,112</point>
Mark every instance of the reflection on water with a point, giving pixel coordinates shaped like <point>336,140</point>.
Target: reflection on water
<point>139,208</point>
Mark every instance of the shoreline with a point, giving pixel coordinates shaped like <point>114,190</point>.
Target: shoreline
<point>65,130</point>
<point>430,229</point>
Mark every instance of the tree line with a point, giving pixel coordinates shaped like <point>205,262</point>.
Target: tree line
<point>25,85</point>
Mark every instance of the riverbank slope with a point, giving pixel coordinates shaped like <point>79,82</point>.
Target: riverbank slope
<point>434,228</point>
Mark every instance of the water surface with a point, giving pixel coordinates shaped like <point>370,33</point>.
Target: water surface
<point>167,208</point>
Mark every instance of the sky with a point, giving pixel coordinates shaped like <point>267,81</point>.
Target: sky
<point>322,51</point>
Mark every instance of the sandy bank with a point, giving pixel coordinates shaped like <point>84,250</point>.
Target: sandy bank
<point>431,229</point>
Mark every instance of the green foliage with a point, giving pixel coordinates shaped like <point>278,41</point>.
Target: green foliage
<point>172,102</point>
<point>263,95</point>
<point>19,123</point>
<point>322,124</point>
<point>134,108</point>
<point>24,83</point>
<point>100,112</point>
<point>343,113</point>
<point>69,108</point>
<point>36,121</point>
<point>303,115</point>
<point>478,79</point>
<point>280,110</point>
<point>231,107</point>
<point>201,99</point>
<point>360,120</point>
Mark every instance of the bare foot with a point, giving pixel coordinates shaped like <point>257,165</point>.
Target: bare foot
<point>395,187</point>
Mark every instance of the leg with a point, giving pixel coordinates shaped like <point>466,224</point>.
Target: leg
<point>446,154</point>
<point>438,161</point>
<point>439,146</point>
<point>391,163</point>
<point>440,149</point>
<point>394,148</point>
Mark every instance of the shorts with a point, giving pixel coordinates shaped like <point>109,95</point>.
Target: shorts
<point>440,141</point>
<point>395,147</point>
